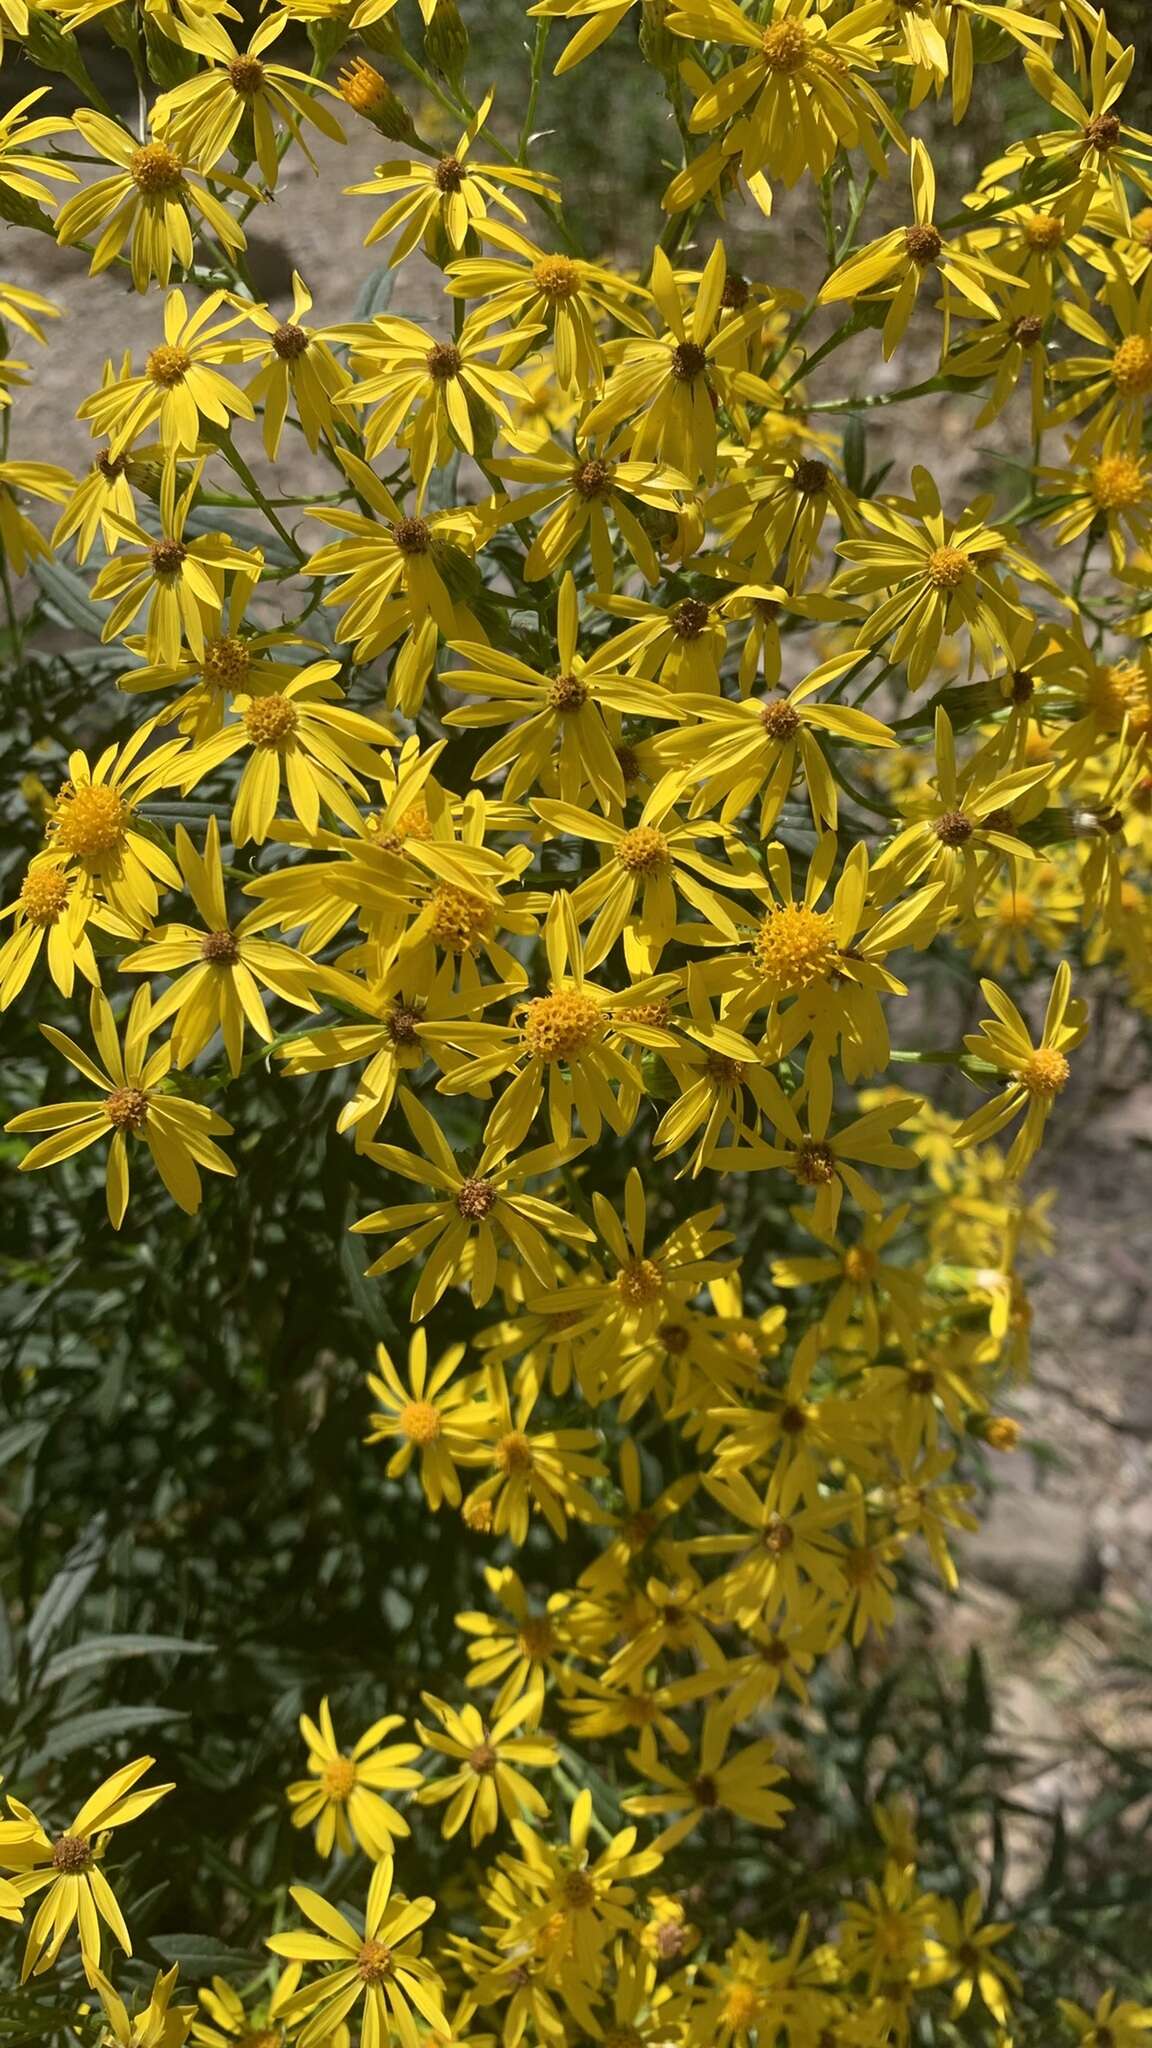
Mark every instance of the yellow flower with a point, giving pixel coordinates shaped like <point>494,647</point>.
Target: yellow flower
<point>53,912</point>
<point>585,490</point>
<point>562,295</point>
<point>487,1209</point>
<point>93,822</point>
<point>297,364</point>
<point>67,1868</point>
<point>906,256</point>
<point>1036,1073</point>
<point>662,396</point>
<point>428,395</point>
<point>217,971</point>
<point>382,1967</point>
<point>565,724</point>
<point>159,2025</point>
<point>443,200</point>
<point>959,1953</point>
<point>296,737</point>
<point>151,203</point>
<point>176,578</point>
<point>341,1799</point>
<point>489,1780</point>
<point>541,1469</point>
<point>23,170</point>
<point>202,117</point>
<point>133,1103</point>
<point>740,1784</point>
<point>20,541</point>
<point>801,93</point>
<point>521,1652</point>
<point>179,386</point>
<point>434,1416</point>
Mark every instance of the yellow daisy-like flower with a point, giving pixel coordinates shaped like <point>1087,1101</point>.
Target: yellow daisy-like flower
<point>562,295</point>
<point>177,579</point>
<point>66,1868</point>
<point>801,93</point>
<point>202,117</point>
<point>297,365</point>
<point>93,823</point>
<point>52,913</point>
<point>740,1784</point>
<point>485,1210</point>
<point>960,1953</point>
<point>159,2025</point>
<point>488,1781</point>
<point>150,203</point>
<point>441,201</point>
<point>341,1799</point>
<point>20,541</point>
<point>133,1103</point>
<point>216,973</point>
<point>179,386</point>
<point>23,170</point>
<point>381,1969</point>
<point>299,738</point>
<point>586,491</point>
<point>1036,1073</point>
<point>434,1417</point>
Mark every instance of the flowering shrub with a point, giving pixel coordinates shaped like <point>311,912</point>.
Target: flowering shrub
<point>536,833</point>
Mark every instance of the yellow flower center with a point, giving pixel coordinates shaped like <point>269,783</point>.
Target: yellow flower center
<point>561,1026</point>
<point>1045,1073</point>
<point>457,918</point>
<point>742,2005</point>
<point>578,1890</point>
<point>474,1199</point>
<point>537,1638</point>
<point>271,721</point>
<point>168,366</point>
<point>1043,231</point>
<point>923,243</point>
<point>1118,483</point>
<point>227,663</point>
<point>639,1282</point>
<point>785,47</point>
<point>796,946</point>
<point>420,1422</point>
<point>477,1515</point>
<point>126,1109</point>
<point>90,819</point>
<point>1001,1433</point>
<point>246,75</point>
<point>290,342</point>
<point>156,171</point>
<point>567,693</point>
<point>43,895</point>
<point>338,1778</point>
<point>1119,691</point>
<point>947,567</point>
<point>557,277</point>
<point>859,1264</point>
<point>814,1164</point>
<point>1132,366</point>
<point>643,850</point>
<point>374,1962</point>
<point>71,1854</point>
<point>513,1453</point>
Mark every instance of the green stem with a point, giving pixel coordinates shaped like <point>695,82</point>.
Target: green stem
<point>236,461</point>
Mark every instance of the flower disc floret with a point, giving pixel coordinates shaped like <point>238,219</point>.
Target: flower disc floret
<point>156,171</point>
<point>90,819</point>
<point>796,946</point>
<point>126,1109</point>
<point>786,47</point>
<point>923,243</point>
<point>271,721</point>
<point>557,277</point>
<point>947,568</point>
<point>1045,1073</point>
<point>814,1164</point>
<point>1132,367</point>
<point>458,919</point>
<point>246,76</point>
<point>643,851</point>
<point>43,895</point>
<point>1044,231</point>
<point>290,342</point>
<point>561,1026</point>
<point>72,1854</point>
<point>339,1778</point>
<point>226,663</point>
<point>474,1199</point>
<point>1118,483</point>
<point>374,1963</point>
<point>220,948</point>
<point>420,1422</point>
<point>640,1282</point>
<point>168,366</point>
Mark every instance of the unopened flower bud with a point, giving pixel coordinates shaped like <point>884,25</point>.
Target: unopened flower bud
<point>446,41</point>
<point>364,89</point>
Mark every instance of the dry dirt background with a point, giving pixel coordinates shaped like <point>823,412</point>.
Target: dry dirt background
<point>1062,1568</point>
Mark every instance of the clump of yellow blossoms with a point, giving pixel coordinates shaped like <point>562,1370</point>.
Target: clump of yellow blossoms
<point>596,785</point>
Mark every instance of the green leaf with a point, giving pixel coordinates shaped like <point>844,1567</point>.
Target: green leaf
<point>81,1729</point>
<point>95,1650</point>
<point>375,294</point>
<point>65,1591</point>
<point>201,1956</point>
<point>67,593</point>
